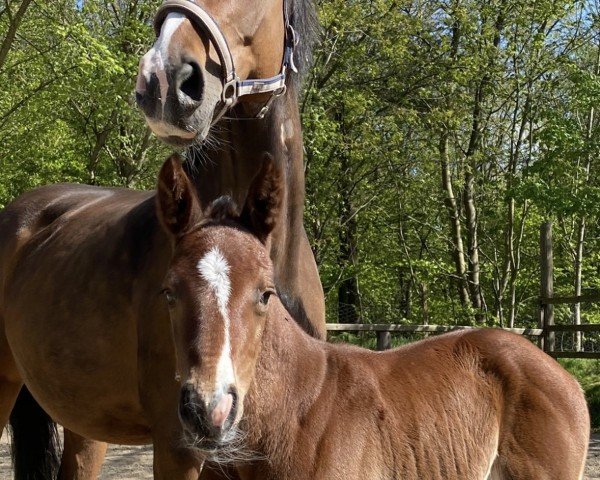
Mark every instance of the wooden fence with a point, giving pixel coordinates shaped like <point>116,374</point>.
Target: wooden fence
<point>548,300</point>
<point>545,334</point>
<point>384,330</point>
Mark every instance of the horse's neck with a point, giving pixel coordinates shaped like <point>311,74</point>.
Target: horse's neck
<point>229,166</point>
<point>291,373</point>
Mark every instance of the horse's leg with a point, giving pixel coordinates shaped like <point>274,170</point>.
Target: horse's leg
<point>159,393</point>
<point>34,446</point>
<point>173,462</point>
<point>10,380</point>
<point>9,390</point>
<point>82,458</point>
<point>218,472</point>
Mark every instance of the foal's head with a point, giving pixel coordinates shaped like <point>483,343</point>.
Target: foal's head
<point>217,288</point>
<point>179,81</point>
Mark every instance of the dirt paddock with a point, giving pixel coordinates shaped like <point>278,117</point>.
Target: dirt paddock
<point>135,463</point>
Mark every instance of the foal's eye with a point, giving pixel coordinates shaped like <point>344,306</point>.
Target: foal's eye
<point>264,297</point>
<point>169,296</point>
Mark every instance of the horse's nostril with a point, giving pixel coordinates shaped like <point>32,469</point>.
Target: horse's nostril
<point>146,98</point>
<point>189,79</point>
<point>140,99</point>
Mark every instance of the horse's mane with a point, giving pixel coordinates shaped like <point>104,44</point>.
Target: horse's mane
<point>303,18</point>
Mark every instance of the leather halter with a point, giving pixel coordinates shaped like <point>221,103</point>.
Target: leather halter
<point>233,87</point>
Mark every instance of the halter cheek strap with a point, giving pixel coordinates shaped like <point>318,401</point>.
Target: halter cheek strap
<point>233,87</point>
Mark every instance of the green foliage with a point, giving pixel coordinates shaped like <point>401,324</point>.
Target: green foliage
<point>66,88</point>
<point>587,372</point>
<point>389,79</point>
<point>511,85</point>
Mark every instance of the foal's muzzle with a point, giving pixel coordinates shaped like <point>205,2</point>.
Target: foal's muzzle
<point>207,420</point>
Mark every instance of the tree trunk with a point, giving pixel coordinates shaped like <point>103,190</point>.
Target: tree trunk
<point>582,221</point>
<point>348,293</point>
<point>472,241</point>
<point>577,283</point>
<point>456,244</point>
<point>424,290</point>
<point>14,21</point>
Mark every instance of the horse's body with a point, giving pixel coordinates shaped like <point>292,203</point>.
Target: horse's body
<point>74,335</point>
<point>81,322</point>
<point>465,406</point>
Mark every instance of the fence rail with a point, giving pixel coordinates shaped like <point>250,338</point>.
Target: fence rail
<point>384,331</point>
<point>384,327</point>
<point>588,298</point>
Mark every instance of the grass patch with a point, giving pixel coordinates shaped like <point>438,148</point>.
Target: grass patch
<point>587,372</point>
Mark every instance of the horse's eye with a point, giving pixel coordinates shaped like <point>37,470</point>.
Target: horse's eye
<point>171,299</point>
<point>264,297</point>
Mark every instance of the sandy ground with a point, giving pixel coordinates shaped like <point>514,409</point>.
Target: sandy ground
<point>135,463</point>
<point>123,462</point>
<point>592,469</point>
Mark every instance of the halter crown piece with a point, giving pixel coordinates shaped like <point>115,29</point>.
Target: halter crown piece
<point>233,87</point>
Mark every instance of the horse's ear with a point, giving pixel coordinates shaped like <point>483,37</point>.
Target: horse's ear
<point>264,200</point>
<point>176,199</point>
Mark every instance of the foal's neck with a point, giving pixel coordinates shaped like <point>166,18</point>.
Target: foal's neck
<point>292,371</point>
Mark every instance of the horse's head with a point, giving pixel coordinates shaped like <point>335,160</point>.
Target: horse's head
<point>218,288</point>
<point>181,85</point>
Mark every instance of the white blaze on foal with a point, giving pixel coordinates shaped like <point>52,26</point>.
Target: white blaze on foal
<point>213,267</point>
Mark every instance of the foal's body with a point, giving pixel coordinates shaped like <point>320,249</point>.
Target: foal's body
<point>467,405</point>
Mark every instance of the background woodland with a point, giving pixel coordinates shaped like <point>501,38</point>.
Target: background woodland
<point>439,134</point>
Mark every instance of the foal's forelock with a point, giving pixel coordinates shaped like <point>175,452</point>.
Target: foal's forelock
<point>214,269</point>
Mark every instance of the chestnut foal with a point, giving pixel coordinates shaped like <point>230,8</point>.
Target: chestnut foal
<point>259,392</point>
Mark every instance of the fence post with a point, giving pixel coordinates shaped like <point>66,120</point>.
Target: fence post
<point>546,286</point>
<point>384,340</point>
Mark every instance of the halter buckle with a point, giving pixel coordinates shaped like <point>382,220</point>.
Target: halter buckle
<point>265,109</point>
<point>230,94</point>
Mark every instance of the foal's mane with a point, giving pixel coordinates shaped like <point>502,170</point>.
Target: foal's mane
<point>222,210</point>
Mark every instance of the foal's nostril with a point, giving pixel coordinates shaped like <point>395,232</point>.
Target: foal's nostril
<point>189,81</point>
<point>191,408</point>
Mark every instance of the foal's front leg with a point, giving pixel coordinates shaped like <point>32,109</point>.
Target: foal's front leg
<point>82,458</point>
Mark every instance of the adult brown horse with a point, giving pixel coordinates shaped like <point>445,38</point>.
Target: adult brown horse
<point>471,405</point>
<point>110,352</point>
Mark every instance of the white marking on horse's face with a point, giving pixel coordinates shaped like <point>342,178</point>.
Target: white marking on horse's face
<point>154,61</point>
<point>213,267</point>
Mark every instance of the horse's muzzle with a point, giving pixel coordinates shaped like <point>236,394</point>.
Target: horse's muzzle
<point>172,94</point>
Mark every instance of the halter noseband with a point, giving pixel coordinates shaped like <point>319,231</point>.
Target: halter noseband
<point>233,87</point>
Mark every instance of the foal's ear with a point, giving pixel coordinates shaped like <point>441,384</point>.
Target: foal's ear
<point>176,199</point>
<point>264,200</point>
